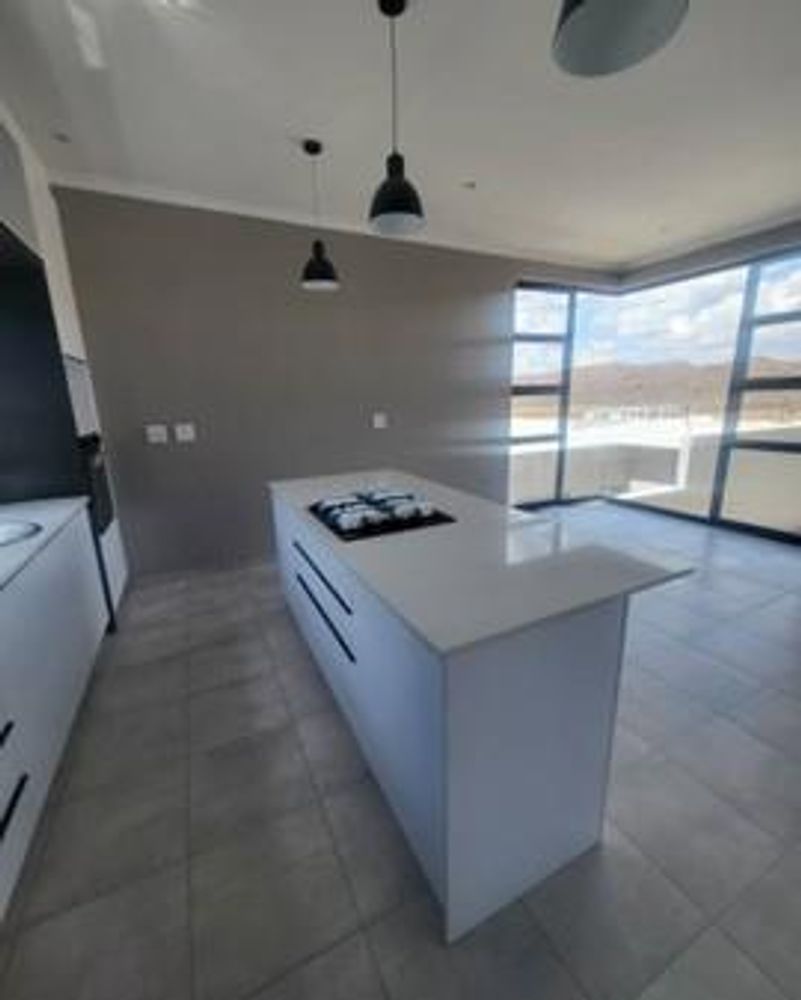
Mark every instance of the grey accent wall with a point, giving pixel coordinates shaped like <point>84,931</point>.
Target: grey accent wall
<point>196,315</point>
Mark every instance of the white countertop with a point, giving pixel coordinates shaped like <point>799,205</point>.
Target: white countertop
<point>53,515</point>
<point>494,570</point>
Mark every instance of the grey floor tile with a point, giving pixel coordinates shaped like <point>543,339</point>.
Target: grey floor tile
<point>331,750</point>
<point>766,924</point>
<point>628,749</point>
<point>706,680</point>
<point>712,969</point>
<point>219,663</point>
<point>507,957</point>
<point>230,625</point>
<point>780,620</point>
<point>614,918</point>
<point>99,842</point>
<point>264,904</point>
<point>112,748</point>
<point>285,640</point>
<point>701,842</point>
<point>655,711</point>
<point>305,690</point>
<point>130,945</point>
<point>346,972</point>
<point>156,641</point>
<point>769,662</point>
<point>774,718</point>
<point>379,863</point>
<point>140,685</point>
<point>764,784</point>
<point>235,711</point>
<point>243,784</point>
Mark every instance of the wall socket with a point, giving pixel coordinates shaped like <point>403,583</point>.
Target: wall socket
<point>157,434</point>
<point>185,433</point>
<point>380,421</point>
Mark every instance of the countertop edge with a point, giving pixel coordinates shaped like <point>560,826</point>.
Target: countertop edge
<point>72,508</point>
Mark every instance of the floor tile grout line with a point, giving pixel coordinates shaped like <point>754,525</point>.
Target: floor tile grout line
<point>658,864</point>
<point>781,838</point>
<point>570,972</point>
<point>344,868</point>
<point>188,875</point>
<point>767,973</point>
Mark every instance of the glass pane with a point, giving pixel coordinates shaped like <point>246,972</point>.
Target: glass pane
<point>537,364</point>
<point>539,311</point>
<point>780,287</point>
<point>649,385</point>
<point>764,488</point>
<point>533,416</point>
<point>532,472</point>
<point>770,415</point>
<point>775,350</point>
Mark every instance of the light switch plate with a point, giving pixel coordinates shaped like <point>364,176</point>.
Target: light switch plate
<point>157,434</point>
<point>185,433</point>
<point>380,421</point>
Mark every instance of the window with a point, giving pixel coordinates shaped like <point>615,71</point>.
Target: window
<point>540,349</point>
<point>650,379</point>
<point>760,468</point>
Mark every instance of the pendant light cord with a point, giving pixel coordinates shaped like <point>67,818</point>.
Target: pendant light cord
<point>393,55</point>
<point>315,190</point>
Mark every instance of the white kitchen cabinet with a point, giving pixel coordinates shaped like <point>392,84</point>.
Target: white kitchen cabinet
<point>477,663</point>
<point>52,620</point>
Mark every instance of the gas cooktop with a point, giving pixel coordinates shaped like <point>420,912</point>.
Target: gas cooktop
<point>353,516</point>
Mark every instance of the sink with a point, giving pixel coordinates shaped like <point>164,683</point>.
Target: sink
<point>17,531</point>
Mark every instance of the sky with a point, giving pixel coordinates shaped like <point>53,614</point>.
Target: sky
<point>693,320</point>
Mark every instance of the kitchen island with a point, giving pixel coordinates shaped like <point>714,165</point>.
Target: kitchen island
<point>477,663</point>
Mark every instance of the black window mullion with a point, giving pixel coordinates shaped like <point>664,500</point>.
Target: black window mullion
<point>768,383</point>
<point>553,389</point>
<point>564,398</point>
<point>776,319</point>
<point>731,414</point>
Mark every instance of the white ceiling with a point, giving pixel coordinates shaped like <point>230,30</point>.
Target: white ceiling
<point>202,100</point>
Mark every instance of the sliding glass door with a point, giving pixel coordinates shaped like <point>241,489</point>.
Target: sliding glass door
<point>541,363</point>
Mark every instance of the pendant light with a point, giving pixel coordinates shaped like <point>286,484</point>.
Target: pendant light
<point>599,37</point>
<point>396,209</point>
<point>319,274</point>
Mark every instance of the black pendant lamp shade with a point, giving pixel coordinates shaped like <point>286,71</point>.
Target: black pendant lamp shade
<point>319,274</point>
<point>396,208</point>
<point>599,37</point>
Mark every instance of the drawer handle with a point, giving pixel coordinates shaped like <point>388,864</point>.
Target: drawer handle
<point>323,578</point>
<point>5,732</point>
<point>324,615</point>
<point>13,802</point>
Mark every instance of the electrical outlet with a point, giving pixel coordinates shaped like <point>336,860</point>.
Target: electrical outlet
<point>185,433</point>
<point>157,434</point>
<point>380,421</point>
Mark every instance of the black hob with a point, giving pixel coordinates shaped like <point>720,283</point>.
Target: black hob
<point>371,513</point>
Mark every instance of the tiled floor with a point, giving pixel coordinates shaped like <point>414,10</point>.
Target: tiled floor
<point>214,834</point>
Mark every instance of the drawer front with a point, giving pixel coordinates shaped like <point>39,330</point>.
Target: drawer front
<point>316,562</point>
<point>23,790</point>
<point>334,655</point>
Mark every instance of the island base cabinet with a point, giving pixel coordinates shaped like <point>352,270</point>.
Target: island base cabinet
<point>493,757</point>
<point>52,620</point>
<point>530,726</point>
